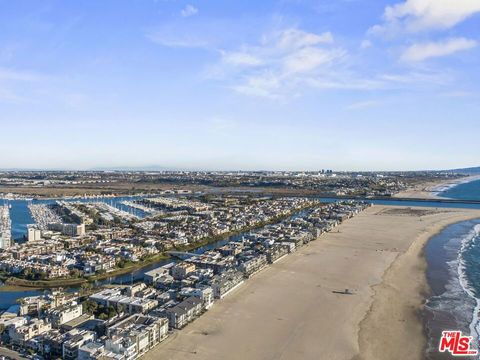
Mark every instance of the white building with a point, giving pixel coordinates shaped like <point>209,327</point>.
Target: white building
<point>68,229</point>
<point>76,339</point>
<point>204,293</point>
<point>96,350</point>
<point>65,314</point>
<point>131,304</point>
<point>135,335</point>
<point>5,228</point>
<point>34,234</point>
<point>20,335</point>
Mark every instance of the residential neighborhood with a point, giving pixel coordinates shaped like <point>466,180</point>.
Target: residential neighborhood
<point>126,321</point>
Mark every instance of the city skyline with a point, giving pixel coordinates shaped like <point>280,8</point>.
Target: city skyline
<point>276,85</point>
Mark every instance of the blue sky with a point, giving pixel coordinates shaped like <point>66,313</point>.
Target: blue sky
<point>221,84</point>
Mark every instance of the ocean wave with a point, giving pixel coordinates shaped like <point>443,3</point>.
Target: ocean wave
<point>439,189</point>
<point>464,282</point>
<point>457,306</point>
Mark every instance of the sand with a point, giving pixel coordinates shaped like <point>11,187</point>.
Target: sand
<point>421,191</point>
<point>290,310</point>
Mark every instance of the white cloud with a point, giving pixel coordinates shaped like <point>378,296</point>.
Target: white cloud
<point>295,38</point>
<point>267,84</point>
<point>280,63</point>
<point>418,15</point>
<point>240,59</point>
<point>188,11</point>
<point>407,79</point>
<point>278,67</point>
<point>424,51</point>
<point>310,58</point>
<point>167,37</point>
<point>365,44</point>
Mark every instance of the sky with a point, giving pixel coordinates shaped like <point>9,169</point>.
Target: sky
<point>244,84</point>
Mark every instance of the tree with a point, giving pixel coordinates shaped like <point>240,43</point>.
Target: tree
<point>85,287</point>
<point>120,309</point>
<point>111,312</point>
<point>75,273</point>
<point>90,307</point>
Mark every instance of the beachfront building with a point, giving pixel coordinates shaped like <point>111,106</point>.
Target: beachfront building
<point>204,293</point>
<point>276,252</point>
<point>253,265</point>
<point>184,312</point>
<point>135,335</point>
<point>226,282</point>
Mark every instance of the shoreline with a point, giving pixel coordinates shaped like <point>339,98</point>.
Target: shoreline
<point>406,317</point>
<point>295,302</point>
<point>431,190</point>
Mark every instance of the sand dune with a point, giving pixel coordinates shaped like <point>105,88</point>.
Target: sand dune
<point>291,310</point>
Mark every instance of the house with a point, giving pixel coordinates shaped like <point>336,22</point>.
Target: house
<point>135,335</point>
<point>97,351</point>
<point>181,270</point>
<point>74,340</point>
<point>21,334</point>
<point>64,314</point>
<point>151,277</point>
<point>185,312</point>
<point>226,282</point>
<point>253,265</point>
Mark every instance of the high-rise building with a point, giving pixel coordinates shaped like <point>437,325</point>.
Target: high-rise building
<point>34,234</point>
<point>5,228</point>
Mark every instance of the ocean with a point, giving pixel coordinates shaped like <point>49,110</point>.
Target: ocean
<point>453,273</point>
<point>463,191</point>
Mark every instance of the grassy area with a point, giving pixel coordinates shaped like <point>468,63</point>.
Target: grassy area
<point>19,284</point>
<point>7,288</point>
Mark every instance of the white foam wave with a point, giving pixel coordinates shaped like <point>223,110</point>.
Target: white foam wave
<point>439,189</point>
<point>462,276</point>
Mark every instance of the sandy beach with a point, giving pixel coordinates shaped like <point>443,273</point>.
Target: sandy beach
<point>291,311</point>
<point>421,191</point>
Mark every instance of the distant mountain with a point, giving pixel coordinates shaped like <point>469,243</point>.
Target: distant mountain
<point>134,168</point>
<point>469,171</point>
